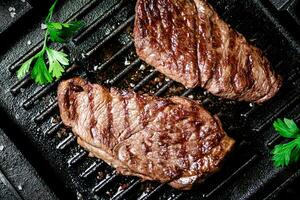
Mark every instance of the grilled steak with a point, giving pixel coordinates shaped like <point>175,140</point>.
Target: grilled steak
<point>187,41</point>
<point>171,140</point>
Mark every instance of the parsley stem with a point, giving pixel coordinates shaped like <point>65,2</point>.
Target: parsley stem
<point>48,18</point>
<point>51,10</point>
<point>45,41</point>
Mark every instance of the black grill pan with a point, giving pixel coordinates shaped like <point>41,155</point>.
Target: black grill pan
<point>104,53</point>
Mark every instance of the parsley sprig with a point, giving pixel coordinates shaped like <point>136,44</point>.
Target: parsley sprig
<point>285,154</point>
<point>58,60</point>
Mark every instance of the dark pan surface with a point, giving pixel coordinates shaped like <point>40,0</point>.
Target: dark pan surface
<point>104,53</point>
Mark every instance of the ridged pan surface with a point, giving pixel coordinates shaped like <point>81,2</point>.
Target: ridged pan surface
<point>103,52</point>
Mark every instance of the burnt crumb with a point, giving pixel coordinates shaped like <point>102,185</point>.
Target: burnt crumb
<point>100,175</point>
<point>79,196</point>
<point>55,119</point>
<point>63,132</point>
<point>109,193</point>
<point>123,187</point>
<point>59,135</point>
<point>20,187</point>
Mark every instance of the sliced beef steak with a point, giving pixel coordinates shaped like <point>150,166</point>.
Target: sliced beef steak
<point>171,140</point>
<point>187,41</point>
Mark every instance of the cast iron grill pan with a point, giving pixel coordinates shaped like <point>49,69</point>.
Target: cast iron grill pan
<point>103,52</point>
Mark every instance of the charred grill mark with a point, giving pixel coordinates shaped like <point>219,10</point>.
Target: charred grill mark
<point>141,24</point>
<point>109,131</point>
<point>201,56</point>
<point>141,103</point>
<point>268,75</point>
<point>167,30</point>
<point>217,45</point>
<point>211,58</point>
<point>67,103</point>
<point>248,92</point>
<point>239,73</point>
<point>170,33</point>
<point>197,43</point>
<point>149,10</point>
<point>205,53</point>
<point>233,61</point>
<point>174,36</point>
<point>228,71</point>
<point>249,73</point>
<point>93,121</point>
<point>184,67</point>
<point>71,102</point>
<point>124,99</point>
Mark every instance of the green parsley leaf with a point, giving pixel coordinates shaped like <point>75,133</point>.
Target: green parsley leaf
<point>291,125</point>
<point>51,10</point>
<point>57,32</point>
<point>285,154</point>
<point>57,60</point>
<point>286,128</point>
<point>39,72</point>
<point>60,32</point>
<point>24,69</point>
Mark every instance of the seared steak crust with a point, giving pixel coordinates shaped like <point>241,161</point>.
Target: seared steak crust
<point>172,140</point>
<point>187,41</point>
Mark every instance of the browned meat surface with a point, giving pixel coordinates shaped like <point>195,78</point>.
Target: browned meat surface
<point>187,41</point>
<point>172,140</point>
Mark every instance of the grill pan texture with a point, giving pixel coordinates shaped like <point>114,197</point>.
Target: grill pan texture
<point>104,53</point>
